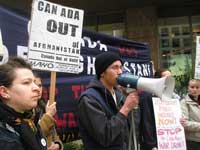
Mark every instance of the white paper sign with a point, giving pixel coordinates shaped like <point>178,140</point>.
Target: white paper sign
<point>170,133</point>
<point>197,60</point>
<point>55,37</point>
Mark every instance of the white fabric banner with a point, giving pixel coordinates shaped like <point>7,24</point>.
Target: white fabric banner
<point>3,51</point>
<point>1,45</point>
<point>197,60</point>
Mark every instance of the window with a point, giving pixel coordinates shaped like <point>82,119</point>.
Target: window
<point>174,39</point>
<point>109,23</point>
<point>177,40</point>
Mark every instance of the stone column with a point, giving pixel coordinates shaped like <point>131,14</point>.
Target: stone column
<point>141,25</point>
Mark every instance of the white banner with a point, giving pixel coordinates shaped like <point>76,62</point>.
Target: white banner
<point>3,51</point>
<point>1,45</point>
<point>170,133</point>
<point>197,60</point>
<point>55,37</point>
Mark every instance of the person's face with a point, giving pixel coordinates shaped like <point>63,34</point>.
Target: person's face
<point>23,93</point>
<point>38,82</point>
<point>193,88</point>
<point>166,74</point>
<point>111,73</point>
<point>198,82</point>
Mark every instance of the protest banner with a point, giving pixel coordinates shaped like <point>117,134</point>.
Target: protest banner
<point>170,133</point>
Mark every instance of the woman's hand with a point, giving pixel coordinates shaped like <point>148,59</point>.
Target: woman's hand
<point>182,121</point>
<point>54,146</point>
<point>51,109</point>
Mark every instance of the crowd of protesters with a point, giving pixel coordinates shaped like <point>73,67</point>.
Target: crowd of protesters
<point>106,116</point>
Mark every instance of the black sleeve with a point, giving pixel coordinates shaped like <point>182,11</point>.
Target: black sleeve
<point>10,145</point>
<point>147,122</point>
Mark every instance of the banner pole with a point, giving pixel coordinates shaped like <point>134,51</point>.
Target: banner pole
<point>52,87</point>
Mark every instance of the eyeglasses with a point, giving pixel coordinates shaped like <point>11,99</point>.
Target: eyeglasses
<point>115,67</point>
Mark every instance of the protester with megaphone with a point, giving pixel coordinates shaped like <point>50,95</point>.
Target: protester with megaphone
<point>103,110</point>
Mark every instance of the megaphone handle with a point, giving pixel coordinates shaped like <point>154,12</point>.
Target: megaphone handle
<point>132,136</point>
<point>129,90</point>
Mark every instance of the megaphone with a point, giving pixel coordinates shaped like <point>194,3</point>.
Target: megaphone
<point>162,87</point>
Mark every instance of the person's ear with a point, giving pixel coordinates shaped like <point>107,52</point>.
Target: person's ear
<point>102,75</point>
<point>4,92</point>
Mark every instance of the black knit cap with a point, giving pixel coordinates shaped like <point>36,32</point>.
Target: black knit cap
<point>104,60</point>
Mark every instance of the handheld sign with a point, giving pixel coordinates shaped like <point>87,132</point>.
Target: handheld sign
<point>55,35</point>
<point>170,133</point>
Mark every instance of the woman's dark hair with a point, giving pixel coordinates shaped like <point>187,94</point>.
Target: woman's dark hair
<point>7,70</point>
<point>37,75</point>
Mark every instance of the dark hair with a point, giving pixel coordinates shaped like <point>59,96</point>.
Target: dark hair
<point>158,73</point>
<point>7,70</point>
<point>37,75</point>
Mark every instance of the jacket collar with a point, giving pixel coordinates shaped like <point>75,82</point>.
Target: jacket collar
<point>190,100</point>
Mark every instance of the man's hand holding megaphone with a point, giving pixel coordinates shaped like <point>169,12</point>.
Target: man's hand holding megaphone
<point>130,103</point>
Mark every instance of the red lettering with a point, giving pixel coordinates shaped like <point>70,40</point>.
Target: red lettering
<point>61,123</point>
<point>71,120</point>
<point>77,90</point>
<point>129,52</point>
<point>176,144</point>
<point>168,131</point>
<point>178,130</point>
<point>160,132</point>
<point>164,145</point>
<point>67,121</point>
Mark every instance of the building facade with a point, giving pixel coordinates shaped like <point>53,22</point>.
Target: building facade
<point>169,27</point>
<point>170,31</point>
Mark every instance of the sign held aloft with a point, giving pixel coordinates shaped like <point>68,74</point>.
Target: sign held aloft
<point>55,37</point>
